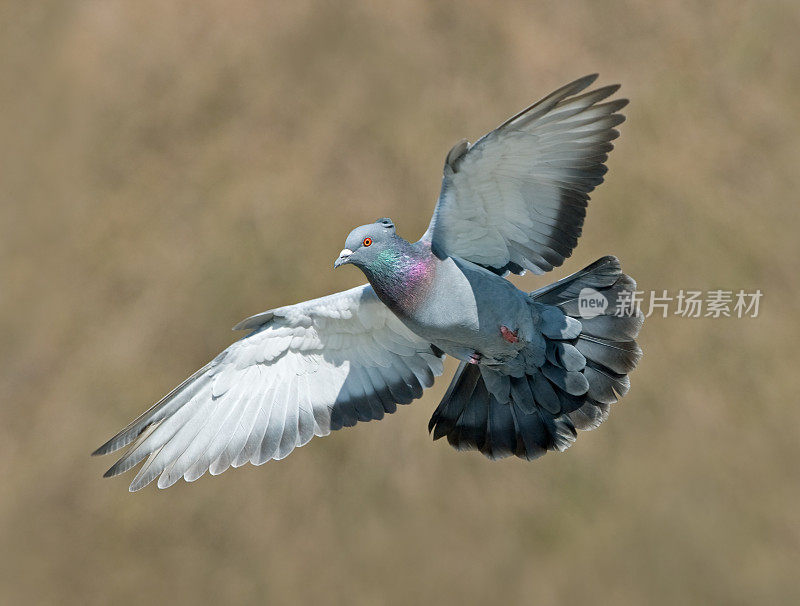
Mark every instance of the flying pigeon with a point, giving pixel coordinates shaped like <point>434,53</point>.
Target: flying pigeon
<point>534,367</point>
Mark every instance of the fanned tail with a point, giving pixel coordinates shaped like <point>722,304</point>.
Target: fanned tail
<point>574,388</point>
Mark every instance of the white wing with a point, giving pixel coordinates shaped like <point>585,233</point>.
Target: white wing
<point>305,370</point>
<point>516,199</point>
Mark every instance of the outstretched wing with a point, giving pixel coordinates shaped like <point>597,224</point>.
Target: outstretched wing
<point>516,199</point>
<point>305,370</point>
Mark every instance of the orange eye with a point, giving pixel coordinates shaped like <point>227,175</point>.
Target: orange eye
<point>367,241</point>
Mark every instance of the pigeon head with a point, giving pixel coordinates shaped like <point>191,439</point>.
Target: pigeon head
<point>365,243</point>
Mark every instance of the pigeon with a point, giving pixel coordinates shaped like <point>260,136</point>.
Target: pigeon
<point>534,366</point>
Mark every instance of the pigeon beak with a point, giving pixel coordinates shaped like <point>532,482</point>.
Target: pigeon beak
<point>344,257</point>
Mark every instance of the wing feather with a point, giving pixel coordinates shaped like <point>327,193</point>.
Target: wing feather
<point>304,370</point>
<point>516,199</point>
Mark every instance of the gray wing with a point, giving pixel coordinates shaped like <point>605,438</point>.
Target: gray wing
<point>305,370</point>
<point>516,199</point>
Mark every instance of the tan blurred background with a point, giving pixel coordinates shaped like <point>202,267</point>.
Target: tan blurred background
<point>169,168</point>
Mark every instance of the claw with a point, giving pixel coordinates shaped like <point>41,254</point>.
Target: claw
<point>508,334</point>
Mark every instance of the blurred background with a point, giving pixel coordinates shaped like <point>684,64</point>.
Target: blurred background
<point>169,168</point>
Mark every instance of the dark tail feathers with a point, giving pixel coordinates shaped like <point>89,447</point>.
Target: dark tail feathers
<point>528,426</point>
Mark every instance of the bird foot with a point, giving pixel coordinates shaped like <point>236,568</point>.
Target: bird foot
<point>475,358</point>
<point>508,334</point>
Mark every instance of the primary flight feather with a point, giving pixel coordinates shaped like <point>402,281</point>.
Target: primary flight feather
<point>533,368</point>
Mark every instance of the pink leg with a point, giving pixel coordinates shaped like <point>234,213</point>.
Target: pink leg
<point>475,358</point>
<point>508,334</point>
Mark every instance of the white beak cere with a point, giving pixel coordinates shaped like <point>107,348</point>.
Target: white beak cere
<point>343,257</point>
